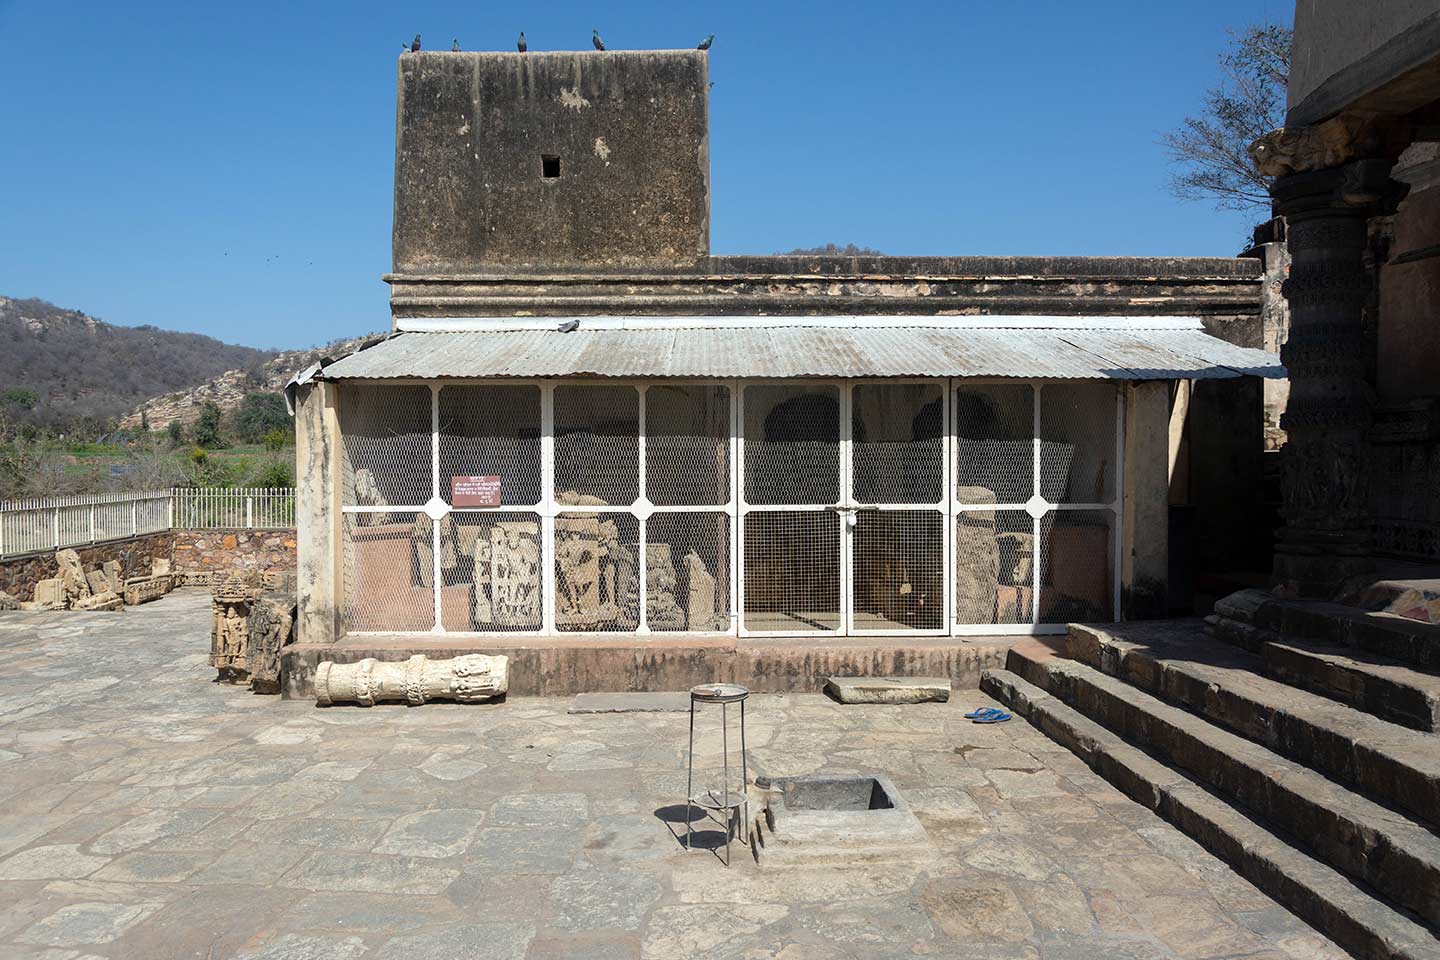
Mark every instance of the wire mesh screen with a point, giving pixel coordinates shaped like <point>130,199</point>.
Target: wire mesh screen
<point>899,565</point>
<point>597,586</point>
<point>388,573</point>
<point>1076,566</point>
<point>994,446</point>
<point>792,444</point>
<point>597,445</point>
<point>994,567</point>
<point>386,449</point>
<point>493,579</point>
<point>792,570</point>
<point>896,443</point>
<point>687,444</point>
<point>490,431</point>
<point>1077,442</point>
<point>687,572</point>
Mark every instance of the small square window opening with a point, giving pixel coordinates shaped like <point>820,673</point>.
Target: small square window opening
<point>549,166</point>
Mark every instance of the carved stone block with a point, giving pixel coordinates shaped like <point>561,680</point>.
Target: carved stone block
<point>138,590</point>
<point>72,574</point>
<point>661,610</point>
<point>515,573</point>
<point>114,575</point>
<point>268,629</point>
<point>50,594</point>
<point>229,631</point>
<point>7,602</point>
<point>467,679</point>
<point>159,566</point>
<point>98,581</point>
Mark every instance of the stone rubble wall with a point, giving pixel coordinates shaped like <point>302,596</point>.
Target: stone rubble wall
<point>19,575</point>
<point>208,556</point>
<point>197,557</point>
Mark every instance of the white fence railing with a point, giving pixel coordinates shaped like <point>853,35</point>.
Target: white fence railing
<point>50,523</point>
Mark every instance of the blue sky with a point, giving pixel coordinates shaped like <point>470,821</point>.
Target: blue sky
<point>226,168</point>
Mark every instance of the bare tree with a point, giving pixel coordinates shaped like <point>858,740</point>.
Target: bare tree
<point>1210,149</point>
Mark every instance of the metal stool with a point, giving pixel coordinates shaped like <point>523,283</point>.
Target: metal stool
<point>731,801</point>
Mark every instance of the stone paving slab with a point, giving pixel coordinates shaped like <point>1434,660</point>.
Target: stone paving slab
<point>146,811</point>
<point>601,702</point>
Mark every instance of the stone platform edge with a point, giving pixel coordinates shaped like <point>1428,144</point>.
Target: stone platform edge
<point>563,667</point>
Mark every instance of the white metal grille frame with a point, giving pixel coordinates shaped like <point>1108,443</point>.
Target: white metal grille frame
<point>858,524</point>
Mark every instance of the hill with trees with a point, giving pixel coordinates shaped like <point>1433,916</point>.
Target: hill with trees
<point>65,371</point>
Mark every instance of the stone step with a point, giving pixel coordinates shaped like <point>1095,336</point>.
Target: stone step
<point>1366,681</point>
<point>1352,833</point>
<point>1326,899</point>
<point>1399,638</point>
<point>1395,765</point>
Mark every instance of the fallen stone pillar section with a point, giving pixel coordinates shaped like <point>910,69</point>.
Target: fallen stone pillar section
<point>467,679</point>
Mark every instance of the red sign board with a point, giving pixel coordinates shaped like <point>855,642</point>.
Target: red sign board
<point>475,491</point>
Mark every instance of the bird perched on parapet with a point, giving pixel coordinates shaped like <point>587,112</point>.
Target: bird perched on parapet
<point>415,44</point>
<point>595,39</point>
<point>454,46</point>
<point>520,44</point>
<point>569,326</point>
<point>705,44</point>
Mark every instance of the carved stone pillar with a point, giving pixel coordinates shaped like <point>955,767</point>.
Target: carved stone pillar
<point>1326,537</point>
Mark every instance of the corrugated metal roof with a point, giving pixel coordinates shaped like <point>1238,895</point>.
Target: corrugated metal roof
<point>1067,352</point>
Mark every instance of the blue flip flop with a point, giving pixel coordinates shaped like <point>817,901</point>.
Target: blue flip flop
<point>979,712</point>
<point>994,716</point>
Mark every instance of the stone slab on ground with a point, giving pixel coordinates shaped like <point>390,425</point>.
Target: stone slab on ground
<point>889,689</point>
<point>630,703</point>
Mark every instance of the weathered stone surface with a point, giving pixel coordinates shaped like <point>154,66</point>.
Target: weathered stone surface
<point>630,703</point>
<point>294,804</point>
<point>1343,828</point>
<point>627,132</point>
<point>1396,765</point>
<point>888,689</point>
<point>1307,886</point>
<point>7,602</point>
<point>418,680</point>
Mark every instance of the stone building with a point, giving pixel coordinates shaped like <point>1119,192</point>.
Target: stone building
<point>1357,168</point>
<point>585,425</point>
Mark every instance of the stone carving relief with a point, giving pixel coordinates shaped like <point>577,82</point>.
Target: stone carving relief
<point>467,679</point>
<point>251,621</point>
<point>661,610</point>
<point>514,574</point>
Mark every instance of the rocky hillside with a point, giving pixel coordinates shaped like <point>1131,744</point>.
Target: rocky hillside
<point>229,388</point>
<point>63,369</point>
